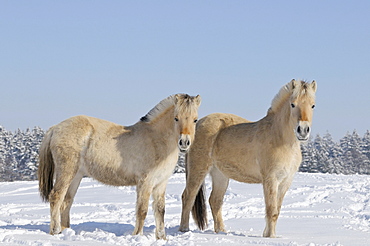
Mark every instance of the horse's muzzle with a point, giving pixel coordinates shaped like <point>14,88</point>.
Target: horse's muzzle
<point>303,130</point>
<point>184,143</point>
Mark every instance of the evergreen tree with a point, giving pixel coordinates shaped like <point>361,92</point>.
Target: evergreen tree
<point>19,154</point>
<point>306,157</point>
<point>333,161</point>
<point>365,151</point>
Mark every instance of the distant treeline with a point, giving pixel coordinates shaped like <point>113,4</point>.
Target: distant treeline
<point>351,155</point>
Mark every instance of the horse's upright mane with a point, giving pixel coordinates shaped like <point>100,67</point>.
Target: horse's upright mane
<point>159,108</point>
<point>280,98</point>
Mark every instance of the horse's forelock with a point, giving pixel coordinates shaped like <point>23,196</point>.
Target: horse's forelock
<point>303,89</point>
<point>186,104</point>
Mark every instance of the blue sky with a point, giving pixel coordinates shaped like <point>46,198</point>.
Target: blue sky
<point>116,59</point>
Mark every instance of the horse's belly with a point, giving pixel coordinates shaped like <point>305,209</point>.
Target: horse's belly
<point>111,174</point>
<point>241,172</point>
<point>116,180</point>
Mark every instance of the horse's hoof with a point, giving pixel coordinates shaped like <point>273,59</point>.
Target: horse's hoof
<point>161,237</point>
<point>221,231</point>
<point>183,229</point>
<point>270,235</point>
<point>55,231</point>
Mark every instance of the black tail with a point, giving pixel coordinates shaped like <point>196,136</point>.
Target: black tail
<point>46,168</point>
<point>199,210</point>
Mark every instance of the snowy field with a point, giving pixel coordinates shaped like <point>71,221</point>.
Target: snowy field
<point>318,210</point>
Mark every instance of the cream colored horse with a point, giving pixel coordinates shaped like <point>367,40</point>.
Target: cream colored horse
<point>267,151</point>
<point>144,154</point>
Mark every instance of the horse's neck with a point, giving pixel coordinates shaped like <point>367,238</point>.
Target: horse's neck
<point>282,126</point>
<point>164,124</point>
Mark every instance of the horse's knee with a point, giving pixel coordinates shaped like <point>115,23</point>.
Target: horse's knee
<point>272,213</point>
<point>54,197</point>
<point>159,208</point>
<point>141,214</point>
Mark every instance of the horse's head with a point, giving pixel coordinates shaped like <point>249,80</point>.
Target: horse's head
<point>302,103</point>
<point>186,116</point>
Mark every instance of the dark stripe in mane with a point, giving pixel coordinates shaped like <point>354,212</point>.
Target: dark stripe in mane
<point>160,107</point>
<point>144,119</point>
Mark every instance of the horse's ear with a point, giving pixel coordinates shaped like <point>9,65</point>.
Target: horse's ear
<point>314,85</point>
<point>198,100</point>
<point>177,97</point>
<point>293,84</point>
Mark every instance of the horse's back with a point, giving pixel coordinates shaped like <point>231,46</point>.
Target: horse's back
<point>80,136</point>
<point>74,133</point>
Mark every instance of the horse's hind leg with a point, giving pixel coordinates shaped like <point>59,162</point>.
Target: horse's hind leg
<point>194,181</point>
<point>68,200</point>
<point>159,209</point>
<point>56,199</point>
<point>65,171</point>
<point>219,185</point>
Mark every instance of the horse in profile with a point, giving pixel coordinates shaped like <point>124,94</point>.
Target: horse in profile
<point>144,154</point>
<point>267,151</point>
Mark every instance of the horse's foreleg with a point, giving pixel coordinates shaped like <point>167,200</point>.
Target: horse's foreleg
<point>142,203</point>
<point>270,188</point>
<point>159,209</point>
<point>283,188</point>
<point>219,186</point>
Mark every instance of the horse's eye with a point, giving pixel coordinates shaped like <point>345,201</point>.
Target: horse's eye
<point>176,119</point>
<point>195,121</point>
<point>293,105</point>
<point>313,106</point>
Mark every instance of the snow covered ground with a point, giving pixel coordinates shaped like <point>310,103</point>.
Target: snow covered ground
<point>318,210</point>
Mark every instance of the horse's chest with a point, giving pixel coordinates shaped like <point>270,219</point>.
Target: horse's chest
<point>160,172</point>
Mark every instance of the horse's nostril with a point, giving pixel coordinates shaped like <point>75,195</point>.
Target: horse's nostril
<point>180,142</point>
<point>188,143</point>
<point>308,129</point>
<point>299,129</point>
